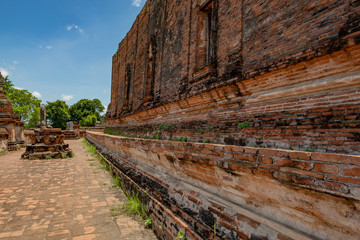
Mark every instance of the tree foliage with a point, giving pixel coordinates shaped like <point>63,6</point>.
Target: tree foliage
<point>89,121</point>
<point>8,85</point>
<point>57,114</point>
<point>25,105</point>
<point>85,110</point>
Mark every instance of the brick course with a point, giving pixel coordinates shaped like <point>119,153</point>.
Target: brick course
<point>257,78</point>
<point>295,73</point>
<point>201,182</point>
<point>323,121</point>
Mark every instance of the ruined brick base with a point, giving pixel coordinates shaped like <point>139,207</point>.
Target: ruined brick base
<point>15,147</point>
<point>3,139</point>
<point>213,191</point>
<point>47,143</point>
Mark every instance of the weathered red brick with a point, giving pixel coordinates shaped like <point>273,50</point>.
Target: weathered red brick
<point>247,220</point>
<point>290,163</point>
<point>301,172</point>
<point>210,180</point>
<point>240,168</point>
<point>282,176</point>
<point>266,160</point>
<point>206,151</point>
<point>244,156</point>
<point>299,155</point>
<point>303,180</point>
<point>268,166</point>
<point>333,186</point>
<point>336,158</point>
<point>262,172</point>
<point>274,152</point>
<point>352,171</point>
<point>344,179</point>
<point>222,215</point>
<point>326,168</point>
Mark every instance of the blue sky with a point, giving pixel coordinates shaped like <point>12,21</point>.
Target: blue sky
<point>62,49</point>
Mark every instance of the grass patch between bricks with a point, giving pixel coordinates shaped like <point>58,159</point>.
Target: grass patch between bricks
<point>133,206</point>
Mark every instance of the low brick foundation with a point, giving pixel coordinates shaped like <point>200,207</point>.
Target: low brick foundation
<point>213,191</point>
<point>94,129</point>
<point>47,143</point>
<point>28,136</point>
<point>3,140</point>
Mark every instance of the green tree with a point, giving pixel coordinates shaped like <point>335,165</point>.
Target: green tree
<point>25,105</point>
<point>57,113</point>
<point>84,108</point>
<point>89,121</point>
<point>8,85</point>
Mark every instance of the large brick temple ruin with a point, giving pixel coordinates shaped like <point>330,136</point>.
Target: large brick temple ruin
<point>240,119</point>
<point>11,127</point>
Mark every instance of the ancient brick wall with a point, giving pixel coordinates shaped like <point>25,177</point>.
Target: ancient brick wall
<point>258,77</point>
<point>4,135</point>
<point>286,70</point>
<point>28,135</point>
<point>213,191</point>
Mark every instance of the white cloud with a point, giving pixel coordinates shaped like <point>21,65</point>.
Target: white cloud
<point>76,27</point>
<point>67,97</point>
<point>136,3</point>
<point>13,65</point>
<point>19,88</point>
<point>48,47</point>
<point>8,68</point>
<point>36,94</point>
<point>4,72</point>
<point>105,110</point>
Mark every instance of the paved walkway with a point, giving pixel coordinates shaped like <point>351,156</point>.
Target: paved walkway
<point>61,199</point>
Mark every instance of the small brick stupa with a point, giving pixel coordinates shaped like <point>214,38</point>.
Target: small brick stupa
<point>73,131</point>
<point>47,142</point>
<point>10,124</point>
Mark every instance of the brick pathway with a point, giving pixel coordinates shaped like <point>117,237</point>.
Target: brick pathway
<point>61,199</point>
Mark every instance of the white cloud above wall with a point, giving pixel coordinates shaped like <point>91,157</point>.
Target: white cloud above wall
<point>136,3</point>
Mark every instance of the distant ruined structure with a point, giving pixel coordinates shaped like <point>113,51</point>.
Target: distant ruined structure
<point>46,142</point>
<point>73,131</point>
<point>11,127</point>
<point>263,100</point>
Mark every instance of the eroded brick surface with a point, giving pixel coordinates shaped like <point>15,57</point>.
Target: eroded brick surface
<point>246,192</point>
<point>254,75</point>
<point>61,199</point>
<point>289,68</point>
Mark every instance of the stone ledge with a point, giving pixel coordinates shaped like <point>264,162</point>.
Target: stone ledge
<point>186,173</point>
